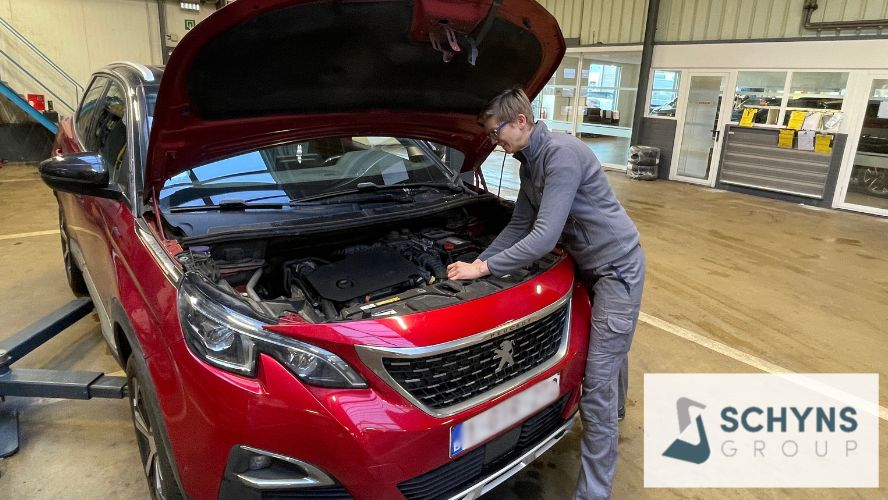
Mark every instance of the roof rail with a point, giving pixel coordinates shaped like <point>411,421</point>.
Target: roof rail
<point>143,70</point>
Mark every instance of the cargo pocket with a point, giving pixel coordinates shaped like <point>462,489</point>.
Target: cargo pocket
<point>614,334</point>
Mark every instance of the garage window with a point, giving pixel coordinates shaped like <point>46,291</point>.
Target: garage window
<point>760,91</point>
<point>603,86</point>
<point>775,95</point>
<point>820,92</point>
<point>663,97</point>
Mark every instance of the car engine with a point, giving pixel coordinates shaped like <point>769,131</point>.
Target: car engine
<point>401,271</point>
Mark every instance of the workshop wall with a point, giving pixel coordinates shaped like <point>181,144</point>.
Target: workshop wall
<point>179,20</point>
<point>698,20</point>
<point>81,36</point>
<point>610,22</point>
<point>600,21</point>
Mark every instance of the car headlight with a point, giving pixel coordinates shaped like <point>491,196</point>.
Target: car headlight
<point>221,330</point>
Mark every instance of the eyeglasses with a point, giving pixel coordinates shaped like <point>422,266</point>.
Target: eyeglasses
<point>494,134</point>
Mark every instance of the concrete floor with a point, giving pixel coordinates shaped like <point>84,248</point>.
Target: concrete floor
<point>802,288</point>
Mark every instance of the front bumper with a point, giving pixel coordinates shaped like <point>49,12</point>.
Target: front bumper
<point>513,467</point>
<point>373,442</point>
<point>485,467</point>
<point>467,477</point>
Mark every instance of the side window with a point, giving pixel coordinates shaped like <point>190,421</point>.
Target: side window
<point>87,111</point>
<point>109,134</point>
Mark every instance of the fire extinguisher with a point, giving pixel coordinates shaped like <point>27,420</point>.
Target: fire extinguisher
<point>543,114</point>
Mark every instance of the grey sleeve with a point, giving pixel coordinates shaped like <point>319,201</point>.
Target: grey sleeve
<point>563,173</point>
<point>519,225</point>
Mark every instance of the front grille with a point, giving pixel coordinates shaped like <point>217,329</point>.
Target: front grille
<point>451,478</point>
<point>459,474</point>
<point>539,426</point>
<point>317,493</point>
<point>443,380</point>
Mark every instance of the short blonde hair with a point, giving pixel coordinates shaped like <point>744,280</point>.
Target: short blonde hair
<point>507,106</point>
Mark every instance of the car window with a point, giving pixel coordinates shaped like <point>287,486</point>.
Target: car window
<point>87,111</point>
<point>290,172</point>
<point>109,134</point>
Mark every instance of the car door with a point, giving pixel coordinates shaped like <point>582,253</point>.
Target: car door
<point>74,205</point>
<point>105,219</point>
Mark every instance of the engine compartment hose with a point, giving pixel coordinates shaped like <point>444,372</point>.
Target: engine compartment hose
<point>435,265</point>
<point>329,310</point>
<point>251,292</point>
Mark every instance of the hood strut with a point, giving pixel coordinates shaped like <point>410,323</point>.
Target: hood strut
<point>446,33</point>
<point>475,41</point>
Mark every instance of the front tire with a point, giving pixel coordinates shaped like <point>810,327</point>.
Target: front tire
<point>152,449</point>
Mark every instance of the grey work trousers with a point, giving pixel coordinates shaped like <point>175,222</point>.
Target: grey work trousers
<point>615,289</point>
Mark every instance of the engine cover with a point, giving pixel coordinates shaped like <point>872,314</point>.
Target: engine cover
<point>362,273</point>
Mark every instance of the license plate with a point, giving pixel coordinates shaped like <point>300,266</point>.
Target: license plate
<point>502,416</point>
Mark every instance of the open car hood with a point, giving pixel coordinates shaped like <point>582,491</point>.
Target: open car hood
<point>263,72</point>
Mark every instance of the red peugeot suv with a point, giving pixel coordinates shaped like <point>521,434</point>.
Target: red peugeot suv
<point>264,228</point>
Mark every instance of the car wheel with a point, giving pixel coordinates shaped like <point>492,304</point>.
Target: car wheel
<point>152,449</point>
<point>72,272</point>
<point>875,180</point>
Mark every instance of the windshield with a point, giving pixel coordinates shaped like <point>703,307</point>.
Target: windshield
<point>291,172</point>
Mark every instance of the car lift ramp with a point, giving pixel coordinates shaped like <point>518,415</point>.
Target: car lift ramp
<point>34,383</point>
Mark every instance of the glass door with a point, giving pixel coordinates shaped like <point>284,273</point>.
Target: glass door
<point>555,105</point>
<point>700,123</point>
<point>867,187</point>
<point>608,87</point>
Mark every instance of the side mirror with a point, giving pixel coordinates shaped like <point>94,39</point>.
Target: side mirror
<point>80,173</point>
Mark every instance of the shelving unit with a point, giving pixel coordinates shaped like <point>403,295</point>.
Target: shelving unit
<point>752,163</point>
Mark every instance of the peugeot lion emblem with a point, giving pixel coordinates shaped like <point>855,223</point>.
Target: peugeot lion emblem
<point>504,353</point>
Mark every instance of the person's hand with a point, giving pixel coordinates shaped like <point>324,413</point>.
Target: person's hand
<point>466,271</point>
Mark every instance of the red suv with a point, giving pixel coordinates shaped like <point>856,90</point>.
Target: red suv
<point>264,227</point>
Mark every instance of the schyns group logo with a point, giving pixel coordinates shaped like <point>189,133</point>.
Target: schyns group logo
<point>683,450</point>
<point>761,430</point>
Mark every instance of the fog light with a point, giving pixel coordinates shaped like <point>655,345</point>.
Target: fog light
<point>259,462</point>
<point>263,470</point>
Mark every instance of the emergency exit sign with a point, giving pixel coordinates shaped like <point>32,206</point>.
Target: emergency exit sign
<point>189,23</point>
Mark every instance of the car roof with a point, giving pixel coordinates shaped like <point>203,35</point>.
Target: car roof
<point>135,73</point>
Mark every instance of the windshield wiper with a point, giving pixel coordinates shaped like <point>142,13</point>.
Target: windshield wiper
<point>229,205</point>
<point>370,187</point>
<point>355,199</point>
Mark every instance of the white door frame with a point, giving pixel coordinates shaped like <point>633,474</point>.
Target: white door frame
<point>724,117</point>
<point>855,116</point>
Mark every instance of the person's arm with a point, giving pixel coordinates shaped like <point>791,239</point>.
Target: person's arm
<point>563,174</point>
<point>518,227</point>
<point>515,230</point>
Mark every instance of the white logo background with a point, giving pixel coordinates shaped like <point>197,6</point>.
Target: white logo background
<point>788,459</point>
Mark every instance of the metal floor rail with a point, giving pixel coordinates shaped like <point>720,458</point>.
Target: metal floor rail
<point>40,383</point>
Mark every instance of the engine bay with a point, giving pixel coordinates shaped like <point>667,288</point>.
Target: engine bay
<point>375,272</point>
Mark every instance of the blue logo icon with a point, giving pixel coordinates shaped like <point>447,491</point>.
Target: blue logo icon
<point>683,450</point>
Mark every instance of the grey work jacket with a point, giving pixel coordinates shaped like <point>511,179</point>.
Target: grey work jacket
<point>564,195</point>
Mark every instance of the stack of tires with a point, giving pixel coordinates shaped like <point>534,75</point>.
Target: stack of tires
<point>644,162</point>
